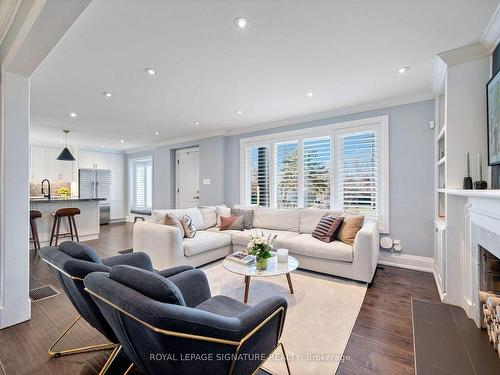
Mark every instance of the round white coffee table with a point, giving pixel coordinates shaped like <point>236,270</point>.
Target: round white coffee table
<point>274,268</point>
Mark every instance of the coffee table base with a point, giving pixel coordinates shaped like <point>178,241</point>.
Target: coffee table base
<point>247,286</point>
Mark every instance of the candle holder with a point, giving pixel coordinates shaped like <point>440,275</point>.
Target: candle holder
<point>480,185</point>
<point>468,183</point>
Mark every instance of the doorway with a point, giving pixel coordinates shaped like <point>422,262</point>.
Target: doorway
<point>187,178</point>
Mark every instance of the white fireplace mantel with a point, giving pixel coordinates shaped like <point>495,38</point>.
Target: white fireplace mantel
<point>472,219</point>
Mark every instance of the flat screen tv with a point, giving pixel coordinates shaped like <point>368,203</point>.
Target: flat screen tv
<point>493,104</point>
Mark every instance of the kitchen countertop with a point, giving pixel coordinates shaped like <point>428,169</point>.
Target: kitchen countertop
<point>63,199</point>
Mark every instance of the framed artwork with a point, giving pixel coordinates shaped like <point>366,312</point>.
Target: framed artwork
<point>493,107</point>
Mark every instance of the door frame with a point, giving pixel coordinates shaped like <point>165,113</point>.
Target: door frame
<point>177,153</point>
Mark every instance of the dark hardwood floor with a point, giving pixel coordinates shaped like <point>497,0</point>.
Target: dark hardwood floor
<point>381,341</point>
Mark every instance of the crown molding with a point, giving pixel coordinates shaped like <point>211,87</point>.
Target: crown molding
<point>9,10</point>
<point>176,141</point>
<point>491,36</point>
<point>386,103</point>
<point>463,54</point>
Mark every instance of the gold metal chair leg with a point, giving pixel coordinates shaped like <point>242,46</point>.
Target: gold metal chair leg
<point>110,360</point>
<point>286,359</point>
<point>129,369</point>
<point>83,349</point>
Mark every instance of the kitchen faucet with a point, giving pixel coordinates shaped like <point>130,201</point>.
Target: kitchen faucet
<point>43,192</point>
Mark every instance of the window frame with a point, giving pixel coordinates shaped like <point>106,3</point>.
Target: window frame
<point>379,123</point>
<point>133,166</point>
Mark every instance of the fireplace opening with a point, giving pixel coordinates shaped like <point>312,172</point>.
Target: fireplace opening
<point>489,272</point>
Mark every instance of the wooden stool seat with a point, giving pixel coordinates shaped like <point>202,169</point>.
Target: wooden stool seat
<point>35,214</point>
<point>61,213</point>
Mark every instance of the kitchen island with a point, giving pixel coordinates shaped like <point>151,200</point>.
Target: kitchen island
<point>87,222</point>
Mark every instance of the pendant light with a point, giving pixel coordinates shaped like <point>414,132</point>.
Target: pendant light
<point>66,154</point>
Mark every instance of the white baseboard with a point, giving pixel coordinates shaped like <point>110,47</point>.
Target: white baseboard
<point>411,262</point>
<point>442,295</point>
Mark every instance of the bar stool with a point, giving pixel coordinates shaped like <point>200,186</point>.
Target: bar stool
<point>70,213</point>
<point>35,214</point>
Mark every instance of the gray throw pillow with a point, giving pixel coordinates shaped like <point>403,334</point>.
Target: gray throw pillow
<point>247,216</point>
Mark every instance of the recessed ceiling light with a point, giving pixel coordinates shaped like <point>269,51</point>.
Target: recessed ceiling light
<point>150,71</point>
<point>157,132</point>
<point>309,94</point>
<point>102,146</point>
<point>403,69</point>
<point>241,22</point>
<point>107,94</point>
<point>239,112</point>
<point>61,141</point>
<point>122,141</point>
<point>73,114</point>
<point>197,123</point>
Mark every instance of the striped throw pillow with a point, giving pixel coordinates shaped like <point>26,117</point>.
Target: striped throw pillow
<point>328,228</point>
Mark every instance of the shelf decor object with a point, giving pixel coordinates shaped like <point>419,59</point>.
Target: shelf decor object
<point>480,184</point>
<point>468,179</point>
<point>66,154</point>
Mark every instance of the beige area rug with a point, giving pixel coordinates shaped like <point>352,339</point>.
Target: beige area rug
<point>319,321</point>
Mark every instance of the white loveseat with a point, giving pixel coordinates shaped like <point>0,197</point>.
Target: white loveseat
<point>293,228</point>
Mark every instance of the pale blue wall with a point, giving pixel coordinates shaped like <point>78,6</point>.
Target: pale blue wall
<point>411,169</point>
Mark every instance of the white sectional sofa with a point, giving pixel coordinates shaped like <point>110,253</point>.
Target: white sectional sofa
<point>293,228</point>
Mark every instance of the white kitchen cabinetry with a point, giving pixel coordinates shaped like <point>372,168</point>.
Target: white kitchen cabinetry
<point>44,164</point>
<point>95,160</point>
<point>37,163</point>
<point>86,159</point>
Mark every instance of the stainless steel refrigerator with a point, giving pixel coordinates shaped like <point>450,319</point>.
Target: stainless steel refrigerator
<point>96,183</point>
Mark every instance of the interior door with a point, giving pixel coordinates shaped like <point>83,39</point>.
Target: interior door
<point>187,178</point>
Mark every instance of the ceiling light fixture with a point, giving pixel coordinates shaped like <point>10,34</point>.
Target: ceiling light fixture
<point>73,114</point>
<point>150,71</point>
<point>309,94</point>
<point>157,132</point>
<point>66,154</point>
<point>102,146</point>
<point>122,141</point>
<point>403,69</point>
<point>107,94</point>
<point>197,123</point>
<point>239,112</point>
<point>241,22</point>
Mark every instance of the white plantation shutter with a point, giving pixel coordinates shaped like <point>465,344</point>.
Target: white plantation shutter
<point>257,167</point>
<point>143,180</point>
<point>358,172</point>
<point>316,169</point>
<point>286,187</point>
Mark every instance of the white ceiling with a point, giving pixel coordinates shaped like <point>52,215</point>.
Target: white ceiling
<point>345,52</point>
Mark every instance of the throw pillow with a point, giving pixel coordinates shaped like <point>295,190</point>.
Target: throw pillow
<point>247,216</point>
<point>327,228</point>
<point>174,222</point>
<point>189,228</point>
<point>349,229</point>
<point>209,216</point>
<point>231,222</point>
<point>222,211</point>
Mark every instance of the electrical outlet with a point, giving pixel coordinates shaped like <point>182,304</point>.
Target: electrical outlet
<point>206,181</point>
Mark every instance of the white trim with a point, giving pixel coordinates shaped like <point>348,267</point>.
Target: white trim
<point>331,130</point>
<point>438,76</point>
<point>9,18</point>
<point>436,280</point>
<point>372,106</point>
<point>177,141</point>
<point>411,262</point>
<point>463,54</point>
<point>365,107</point>
<point>491,36</point>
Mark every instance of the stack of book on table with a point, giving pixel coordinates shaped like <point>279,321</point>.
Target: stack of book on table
<point>241,258</point>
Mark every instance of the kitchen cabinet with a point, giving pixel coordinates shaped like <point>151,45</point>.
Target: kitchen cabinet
<point>57,169</point>
<point>37,163</point>
<point>86,159</point>
<point>44,164</point>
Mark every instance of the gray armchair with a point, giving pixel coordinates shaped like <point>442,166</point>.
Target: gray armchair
<point>175,326</point>
<point>72,261</point>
